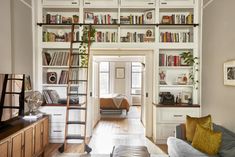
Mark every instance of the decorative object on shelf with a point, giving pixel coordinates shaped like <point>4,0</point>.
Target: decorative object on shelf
<point>149,17</point>
<point>34,100</point>
<point>182,79</point>
<point>190,60</point>
<point>89,17</point>
<point>229,73</point>
<point>162,76</point>
<point>149,36</point>
<point>186,96</point>
<point>166,98</point>
<point>120,73</point>
<point>51,77</point>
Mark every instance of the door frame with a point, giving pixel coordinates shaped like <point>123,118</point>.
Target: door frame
<point>149,89</point>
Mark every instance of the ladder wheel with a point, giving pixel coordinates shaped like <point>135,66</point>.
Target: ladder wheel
<point>61,149</point>
<point>87,149</point>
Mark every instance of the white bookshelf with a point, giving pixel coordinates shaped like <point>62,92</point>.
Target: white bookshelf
<point>115,9</point>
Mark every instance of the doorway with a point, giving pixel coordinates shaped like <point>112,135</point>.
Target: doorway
<point>142,57</point>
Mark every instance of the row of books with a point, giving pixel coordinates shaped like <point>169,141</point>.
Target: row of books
<point>133,37</point>
<point>59,19</point>
<point>106,36</point>
<point>89,17</point>
<point>64,77</point>
<point>51,96</point>
<point>177,19</point>
<point>181,37</point>
<point>57,59</point>
<point>60,36</point>
<point>132,19</point>
<point>169,60</point>
<point>145,18</point>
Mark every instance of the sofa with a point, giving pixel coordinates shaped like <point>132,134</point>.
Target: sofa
<point>179,147</point>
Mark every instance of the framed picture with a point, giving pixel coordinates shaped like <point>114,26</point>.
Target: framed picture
<point>120,73</point>
<point>186,96</point>
<point>229,73</point>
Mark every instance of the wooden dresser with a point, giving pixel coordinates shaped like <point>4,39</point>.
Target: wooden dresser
<point>24,138</point>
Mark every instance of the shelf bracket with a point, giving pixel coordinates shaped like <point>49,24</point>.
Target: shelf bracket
<point>207,4</point>
<point>25,3</point>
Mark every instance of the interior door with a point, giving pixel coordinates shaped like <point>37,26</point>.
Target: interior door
<point>95,89</point>
<point>143,95</point>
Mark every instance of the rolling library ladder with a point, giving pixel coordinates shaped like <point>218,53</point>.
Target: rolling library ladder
<point>78,87</point>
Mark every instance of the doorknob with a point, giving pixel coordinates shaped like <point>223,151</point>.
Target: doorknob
<point>147,94</point>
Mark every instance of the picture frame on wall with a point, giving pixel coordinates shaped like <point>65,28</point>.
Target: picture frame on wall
<point>229,73</point>
<point>120,73</point>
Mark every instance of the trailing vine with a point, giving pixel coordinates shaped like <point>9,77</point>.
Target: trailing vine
<point>84,44</point>
<point>190,60</point>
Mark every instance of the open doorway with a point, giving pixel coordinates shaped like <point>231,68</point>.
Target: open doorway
<point>122,72</point>
<point>119,85</point>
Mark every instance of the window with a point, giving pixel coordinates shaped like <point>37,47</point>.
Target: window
<point>136,73</point>
<point>104,77</point>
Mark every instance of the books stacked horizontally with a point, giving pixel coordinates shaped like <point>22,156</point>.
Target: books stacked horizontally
<point>57,59</point>
<point>181,37</point>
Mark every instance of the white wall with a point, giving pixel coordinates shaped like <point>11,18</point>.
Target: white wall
<point>120,84</point>
<point>5,37</point>
<point>218,47</point>
<point>16,37</point>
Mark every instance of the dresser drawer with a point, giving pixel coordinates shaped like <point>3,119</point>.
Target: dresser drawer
<point>56,114</point>
<point>57,130</point>
<point>175,115</point>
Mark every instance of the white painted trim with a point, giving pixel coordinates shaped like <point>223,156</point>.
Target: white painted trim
<point>25,3</point>
<point>207,4</point>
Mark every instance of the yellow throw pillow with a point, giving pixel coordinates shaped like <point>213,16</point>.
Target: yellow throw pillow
<point>206,140</point>
<point>191,123</point>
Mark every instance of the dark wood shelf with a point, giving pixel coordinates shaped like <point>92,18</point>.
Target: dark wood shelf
<point>193,25</point>
<point>118,24</point>
<point>177,105</point>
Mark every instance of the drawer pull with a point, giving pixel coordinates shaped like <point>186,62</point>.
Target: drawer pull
<point>57,114</point>
<point>57,131</point>
<point>178,115</point>
<point>87,3</point>
<point>164,3</point>
<point>74,2</point>
<point>150,3</point>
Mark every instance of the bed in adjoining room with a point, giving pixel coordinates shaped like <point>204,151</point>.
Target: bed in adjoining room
<point>114,102</point>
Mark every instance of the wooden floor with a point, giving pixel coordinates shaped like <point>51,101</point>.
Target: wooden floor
<point>114,131</point>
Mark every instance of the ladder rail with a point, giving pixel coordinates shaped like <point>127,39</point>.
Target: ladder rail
<point>69,84</point>
<point>88,57</point>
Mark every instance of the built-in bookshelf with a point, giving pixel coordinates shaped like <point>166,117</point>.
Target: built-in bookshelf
<point>168,28</point>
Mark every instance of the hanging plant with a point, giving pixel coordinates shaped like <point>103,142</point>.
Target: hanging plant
<point>83,48</point>
<point>190,60</point>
